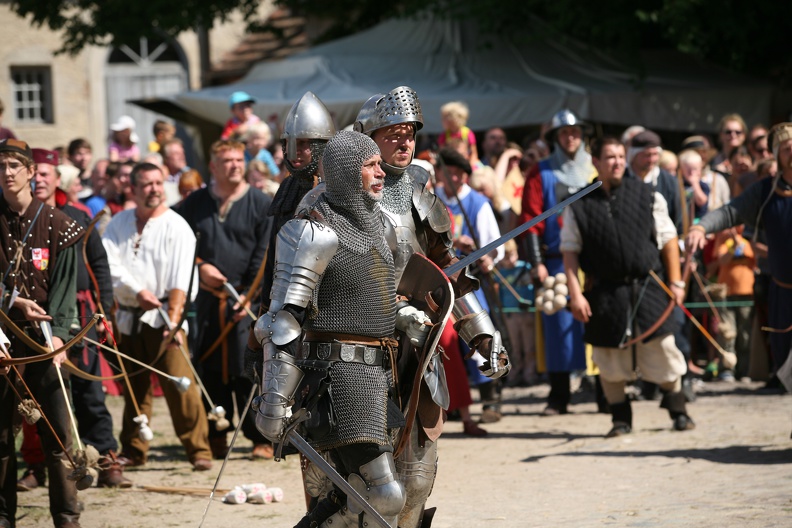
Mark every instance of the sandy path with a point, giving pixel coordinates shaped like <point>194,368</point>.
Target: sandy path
<point>734,469</point>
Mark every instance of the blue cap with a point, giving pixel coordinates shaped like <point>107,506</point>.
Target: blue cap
<point>240,97</point>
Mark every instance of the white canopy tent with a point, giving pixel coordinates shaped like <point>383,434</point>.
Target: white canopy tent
<point>505,84</point>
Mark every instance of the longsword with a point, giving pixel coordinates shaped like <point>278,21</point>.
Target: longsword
<point>352,494</point>
<point>472,257</point>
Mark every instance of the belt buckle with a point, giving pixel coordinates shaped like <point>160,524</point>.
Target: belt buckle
<point>305,350</point>
<point>323,351</point>
<point>347,353</point>
<point>370,355</point>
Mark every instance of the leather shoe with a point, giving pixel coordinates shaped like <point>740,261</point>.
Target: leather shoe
<point>683,422</point>
<point>471,429</point>
<point>263,451</point>
<point>32,479</point>
<point>552,411</point>
<point>618,429</point>
<point>130,460</point>
<point>202,464</point>
<point>113,477</point>
<point>490,416</point>
<point>70,524</point>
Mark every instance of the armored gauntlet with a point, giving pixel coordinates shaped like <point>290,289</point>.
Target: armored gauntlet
<point>475,327</point>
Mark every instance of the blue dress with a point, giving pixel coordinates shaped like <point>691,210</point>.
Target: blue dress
<point>565,350</point>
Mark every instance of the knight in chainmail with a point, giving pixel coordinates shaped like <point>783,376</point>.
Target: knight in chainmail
<point>334,287</point>
<point>565,172</point>
<point>306,130</point>
<point>421,223</point>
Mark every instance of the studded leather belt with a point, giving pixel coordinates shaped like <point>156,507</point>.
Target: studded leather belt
<point>348,353</point>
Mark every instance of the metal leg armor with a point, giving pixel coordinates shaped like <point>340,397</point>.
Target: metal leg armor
<point>377,483</point>
<point>417,468</point>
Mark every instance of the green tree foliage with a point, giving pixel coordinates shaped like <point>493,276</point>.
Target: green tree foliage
<point>738,35</point>
<point>116,22</point>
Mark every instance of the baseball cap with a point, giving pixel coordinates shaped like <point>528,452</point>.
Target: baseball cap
<point>240,97</point>
<point>17,146</point>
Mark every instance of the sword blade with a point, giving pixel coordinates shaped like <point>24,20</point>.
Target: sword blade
<point>310,453</point>
<point>238,298</point>
<point>232,291</point>
<point>473,257</point>
<point>165,317</point>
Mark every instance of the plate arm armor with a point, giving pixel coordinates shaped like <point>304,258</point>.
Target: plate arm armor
<point>303,250</point>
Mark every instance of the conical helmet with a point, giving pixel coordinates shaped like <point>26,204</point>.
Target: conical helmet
<point>307,119</point>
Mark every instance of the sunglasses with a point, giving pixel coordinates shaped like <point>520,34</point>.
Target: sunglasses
<point>729,132</point>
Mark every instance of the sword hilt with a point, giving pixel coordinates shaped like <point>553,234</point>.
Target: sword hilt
<point>291,424</point>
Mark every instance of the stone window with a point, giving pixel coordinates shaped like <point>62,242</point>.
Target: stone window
<point>32,87</point>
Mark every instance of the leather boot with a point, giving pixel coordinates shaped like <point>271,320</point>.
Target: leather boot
<point>621,414</point>
<point>113,475</point>
<point>489,400</point>
<point>675,403</point>
<point>35,476</point>
<point>560,394</point>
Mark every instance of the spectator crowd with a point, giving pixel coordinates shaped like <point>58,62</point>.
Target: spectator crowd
<point>174,259</point>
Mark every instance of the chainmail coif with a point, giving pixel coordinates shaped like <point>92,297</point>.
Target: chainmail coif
<point>353,213</point>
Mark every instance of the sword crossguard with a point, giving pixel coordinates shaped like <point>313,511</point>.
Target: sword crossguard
<point>296,419</point>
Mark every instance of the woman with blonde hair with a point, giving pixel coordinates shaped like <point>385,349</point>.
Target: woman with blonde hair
<point>731,134</point>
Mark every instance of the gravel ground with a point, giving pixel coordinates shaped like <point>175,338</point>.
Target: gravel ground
<point>734,469</point>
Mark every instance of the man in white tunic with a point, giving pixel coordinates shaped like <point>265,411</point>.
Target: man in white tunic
<point>150,250</point>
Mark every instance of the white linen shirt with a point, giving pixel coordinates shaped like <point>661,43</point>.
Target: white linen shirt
<point>158,260</point>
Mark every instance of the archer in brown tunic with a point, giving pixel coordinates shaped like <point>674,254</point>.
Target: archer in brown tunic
<point>39,265</point>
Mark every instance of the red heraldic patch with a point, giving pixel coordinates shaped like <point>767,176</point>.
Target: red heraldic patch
<point>40,258</point>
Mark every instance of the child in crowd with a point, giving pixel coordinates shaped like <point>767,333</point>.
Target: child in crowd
<point>258,175</point>
<point>455,115</point>
<point>669,162</point>
<point>163,132</point>
<point>697,192</point>
<point>734,263</point>
<point>242,116</point>
<point>123,140</point>
<point>514,276</point>
<point>256,140</point>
